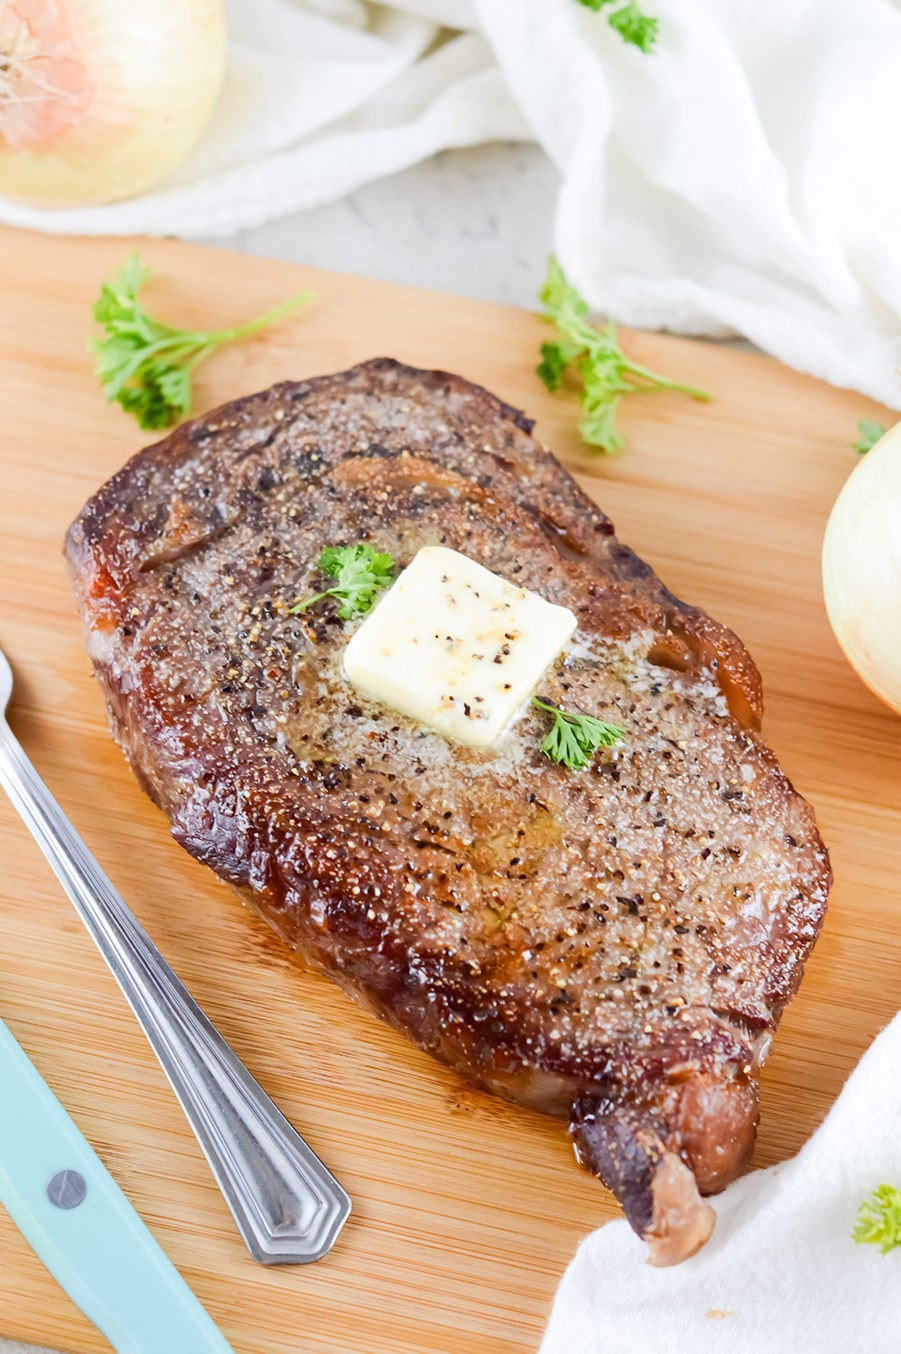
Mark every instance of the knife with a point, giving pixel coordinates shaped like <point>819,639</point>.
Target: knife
<point>75,1217</point>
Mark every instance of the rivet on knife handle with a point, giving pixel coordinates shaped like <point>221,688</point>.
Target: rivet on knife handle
<point>288,1206</point>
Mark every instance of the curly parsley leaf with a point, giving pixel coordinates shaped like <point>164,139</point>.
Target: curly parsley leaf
<point>361,573</point>
<point>607,374</point>
<point>869,433</point>
<point>573,739</point>
<point>555,358</point>
<point>145,365</point>
<point>879,1219</point>
<point>628,21</point>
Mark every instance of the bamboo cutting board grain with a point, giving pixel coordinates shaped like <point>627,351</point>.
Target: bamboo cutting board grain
<point>465,1209</point>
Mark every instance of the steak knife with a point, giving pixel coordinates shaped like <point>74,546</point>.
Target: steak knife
<point>75,1217</point>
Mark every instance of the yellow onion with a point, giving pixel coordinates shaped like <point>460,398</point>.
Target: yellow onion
<point>99,99</point>
<point>862,568</point>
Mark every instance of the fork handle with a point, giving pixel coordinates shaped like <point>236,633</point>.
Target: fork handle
<point>288,1207</point>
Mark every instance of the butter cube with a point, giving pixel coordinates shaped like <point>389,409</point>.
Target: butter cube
<point>455,647</point>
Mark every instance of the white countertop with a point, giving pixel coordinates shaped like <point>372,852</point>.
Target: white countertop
<point>475,222</point>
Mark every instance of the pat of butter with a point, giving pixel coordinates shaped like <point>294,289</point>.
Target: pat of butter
<point>456,647</point>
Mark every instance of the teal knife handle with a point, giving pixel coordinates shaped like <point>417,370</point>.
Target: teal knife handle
<point>98,1249</point>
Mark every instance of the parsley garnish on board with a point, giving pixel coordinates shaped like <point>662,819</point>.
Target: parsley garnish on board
<point>146,365</point>
<point>628,20</point>
<point>573,739</point>
<point>869,433</point>
<point>361,573</point>
<point>607,374</point>
<point>879,1219</point>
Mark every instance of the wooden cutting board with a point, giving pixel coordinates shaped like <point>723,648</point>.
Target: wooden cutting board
<point>466,1210</point>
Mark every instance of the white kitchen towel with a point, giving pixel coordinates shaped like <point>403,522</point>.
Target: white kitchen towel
<point>741,178</point>
<point>780,1275</point>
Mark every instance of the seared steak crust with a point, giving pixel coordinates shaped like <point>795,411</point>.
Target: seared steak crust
<point>619,942</point>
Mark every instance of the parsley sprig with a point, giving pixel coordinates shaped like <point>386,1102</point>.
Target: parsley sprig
<point>607,373</point>
<point>361,573</point>
<point>869,433</point>
<point>628,20</point>
<point>879,1219</point>
<point>146,365</point>
<point>573,739</point>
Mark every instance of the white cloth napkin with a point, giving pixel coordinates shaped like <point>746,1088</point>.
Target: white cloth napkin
<point>741,178</point>
<point>780,1274</point>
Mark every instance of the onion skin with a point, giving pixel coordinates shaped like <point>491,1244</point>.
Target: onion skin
<point>147,76</point>
<point>862,568</point>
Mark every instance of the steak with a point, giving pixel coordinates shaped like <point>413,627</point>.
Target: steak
<point>615,944</point>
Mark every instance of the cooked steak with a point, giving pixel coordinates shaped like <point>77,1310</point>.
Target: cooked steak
<point>616,944</point>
